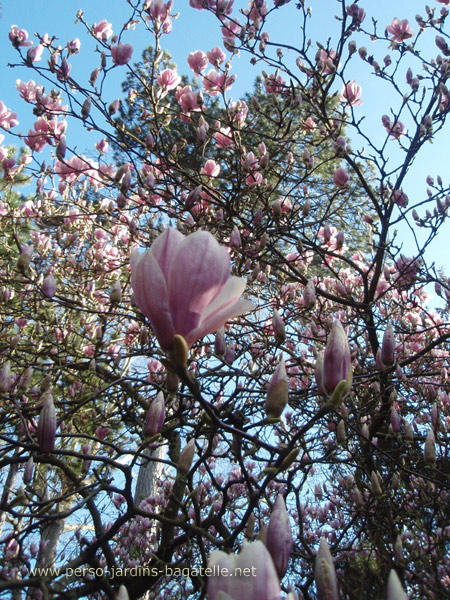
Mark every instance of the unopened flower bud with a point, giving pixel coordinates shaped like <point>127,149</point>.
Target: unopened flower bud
<point>279,328</point>
<point>115,295</point>
<point>186,458</point>
<point>46,430</point>
<point>49,286</point>
<point>277,392</point>
<point>395,590</point>
<point>28,472</point>
<point>325,574</point>
<point>279,540</point>
<point>219,342</point>
<point>430,449</point>
<point>154,419</point>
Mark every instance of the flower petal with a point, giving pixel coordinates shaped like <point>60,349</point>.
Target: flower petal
<point>224,307</point>
<point>198,271</point>
<point>163,248</point>
<point>150,292</point>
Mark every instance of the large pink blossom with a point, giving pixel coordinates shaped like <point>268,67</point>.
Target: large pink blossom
<point>102,30</point>
<point>182,286</point>
<point>400,30</point>
<point>351,93</point>
<point>197,61</point>
<point>121,54</point>
<point>168,80</point>
<point>8,119</point>
<point>18,37</point>
<point>215,83</point>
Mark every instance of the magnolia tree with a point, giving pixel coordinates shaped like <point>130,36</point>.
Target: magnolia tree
<point>221,373</point>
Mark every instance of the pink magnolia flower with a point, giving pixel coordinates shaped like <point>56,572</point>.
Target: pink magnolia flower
<point>341,177</point>
<point>396,129</point>
<point>187,99</point>
<point>7,118</point>
<point>197,61</point>
<point>28,90</point>
<point>73,46</point>
<point>168,80</point>
<point>34,53</point>
<point>400,30</point>
<point>182,286</point>
<point>216,56</point>
<point>274,84</point>
<point>351,93</point>
<point>121,54</point>
<point>326,61</point>
<point>215,83</point>
<point>224,137</point>
<point>356,12</point>
<point>211,168</point>
<point>18,37</point>
<point>103,30</point>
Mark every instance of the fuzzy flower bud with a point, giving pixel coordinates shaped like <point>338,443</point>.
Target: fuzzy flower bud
<point>186,458</point>
<point>279,328</point>
<point>388,346</point>
<point>279,540</point>
<point>46,429</point>
<point>154,419</point>
<point>324,574</point>
<point>277,392</point>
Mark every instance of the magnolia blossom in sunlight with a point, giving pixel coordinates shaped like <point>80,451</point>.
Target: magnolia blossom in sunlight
<point>102,30</point>
<point>182,286</point>
<point>400,30</point>
<point>351,93</point>
<point>168,80</point>
<point>121,54</point>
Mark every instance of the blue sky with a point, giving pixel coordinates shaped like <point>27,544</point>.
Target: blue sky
<point>195,30</point>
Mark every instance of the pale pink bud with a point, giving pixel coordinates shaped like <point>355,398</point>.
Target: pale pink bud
<point>154,419</point>
<point>229,354</point>
<point>5,377</point>
<point>122,594</point>
<point>46,430</point>
<point>341,435</point>
<point>253,558</point>
<point>235,238</point>
<point>277,392</point>
<point>219,342</point>
<point>324,573</point>
<point>309,294</point>
<point>86,108</point>
<point>430,449</point>
<point>279,328</point>
<point>375,484</point>
<point>279,540</point>
<point>28,472</point>
<point>49,286</point>
<point>395,590</point>
<point>186,458</point>
<point>115,295</point>
<point>388,346</point>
